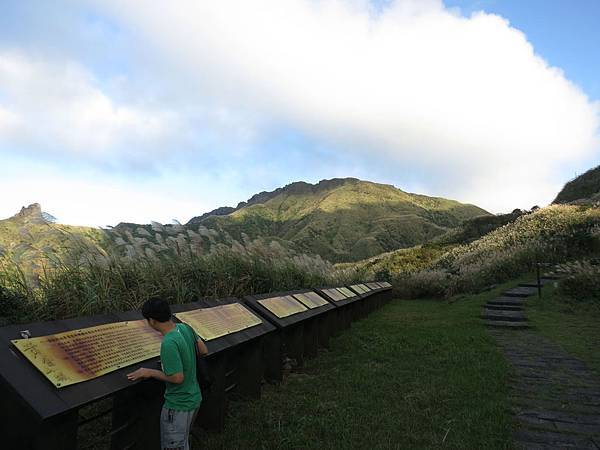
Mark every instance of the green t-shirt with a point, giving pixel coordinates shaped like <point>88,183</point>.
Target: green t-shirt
<point>178,355</point>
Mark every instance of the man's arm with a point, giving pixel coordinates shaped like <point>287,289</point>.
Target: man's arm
<point>202,350</point>
<point>171,364</point>
<point>144,372</point>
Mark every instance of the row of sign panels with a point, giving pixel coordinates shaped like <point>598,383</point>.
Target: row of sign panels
<point>80,355</point>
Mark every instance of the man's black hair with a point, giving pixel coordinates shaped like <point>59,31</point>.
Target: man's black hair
<point>157,309</point>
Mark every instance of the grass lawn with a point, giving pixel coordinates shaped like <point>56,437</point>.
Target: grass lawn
<point>574,326</point>
<point>415,374</point>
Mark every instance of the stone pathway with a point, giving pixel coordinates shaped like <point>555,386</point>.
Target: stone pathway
<point>555,398</point>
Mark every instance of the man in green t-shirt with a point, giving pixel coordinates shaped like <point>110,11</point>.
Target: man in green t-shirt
<point>178,359</point>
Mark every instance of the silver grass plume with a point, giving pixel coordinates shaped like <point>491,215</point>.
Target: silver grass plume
<point>142,232</point>
<point>157,227</point>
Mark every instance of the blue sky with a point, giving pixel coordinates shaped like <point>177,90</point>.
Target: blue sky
<point>122,111</point>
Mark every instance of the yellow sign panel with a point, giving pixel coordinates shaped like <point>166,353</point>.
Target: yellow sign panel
<point>81,355</point>
<point>334,294</point>
<point>211,323</point>
<point>347,292</point>
<point>207,323</point>
<point>310,299</point>
<point>359,288</point>
<point>239,317</point>
<point>365,287</point>
<point>283,306</point>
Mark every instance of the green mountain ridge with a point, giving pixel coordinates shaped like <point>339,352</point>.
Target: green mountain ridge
<point>342,219</point>
<point>339,220</point>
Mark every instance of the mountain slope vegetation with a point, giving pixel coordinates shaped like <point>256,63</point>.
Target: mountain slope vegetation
<point>31,241</point>
<point>50,271</point>
<point>338,220</point>
<point>342,219</point>
<point>423,256</point>
<point>553,234</point>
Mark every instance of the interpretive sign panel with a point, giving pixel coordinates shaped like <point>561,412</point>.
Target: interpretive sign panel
<point>283,306</point>
<point>212,323</point>
<point>373,286</point>
<point>360,288</point>
<point>334,294</point>
<point>80,355</point>
<point>347,292</point>
<point>385,284</point>
<point>310,299</point>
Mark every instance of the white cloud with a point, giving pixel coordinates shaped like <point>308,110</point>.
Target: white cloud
<point>58,106</point>
<point>9,121</point>
<point>415,84</point>
<point>97,202</point>
<point>464,101</point>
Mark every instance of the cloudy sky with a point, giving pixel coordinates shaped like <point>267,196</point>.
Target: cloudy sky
<point>129,110</point>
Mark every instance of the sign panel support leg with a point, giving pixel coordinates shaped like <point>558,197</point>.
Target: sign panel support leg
<point>311,337</point>
<point>273,357</point>
<point>250,370</point>
<point>211,415</point>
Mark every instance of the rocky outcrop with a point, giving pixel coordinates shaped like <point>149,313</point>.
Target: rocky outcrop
<point>33,214</point>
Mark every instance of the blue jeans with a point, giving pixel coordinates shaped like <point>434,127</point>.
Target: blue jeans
<point>175,428</point>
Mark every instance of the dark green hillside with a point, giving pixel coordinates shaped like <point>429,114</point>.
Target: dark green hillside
<point>342,219</point>
<point>583,187</point>
<point>472,229</point>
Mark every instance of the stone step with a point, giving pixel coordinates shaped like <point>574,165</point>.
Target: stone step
<point>520,292</point>
<point>516,316</point>
<point>533,439</point>
<point>506,324</point>
<point>565,416</point>
<point>509,301</point>
<point>503,307</point>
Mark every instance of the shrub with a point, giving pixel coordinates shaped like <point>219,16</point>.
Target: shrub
<point>425,283</point>
<point>582,283</point>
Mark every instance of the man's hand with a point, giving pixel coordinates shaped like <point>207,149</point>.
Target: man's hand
<point>139,374</point>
